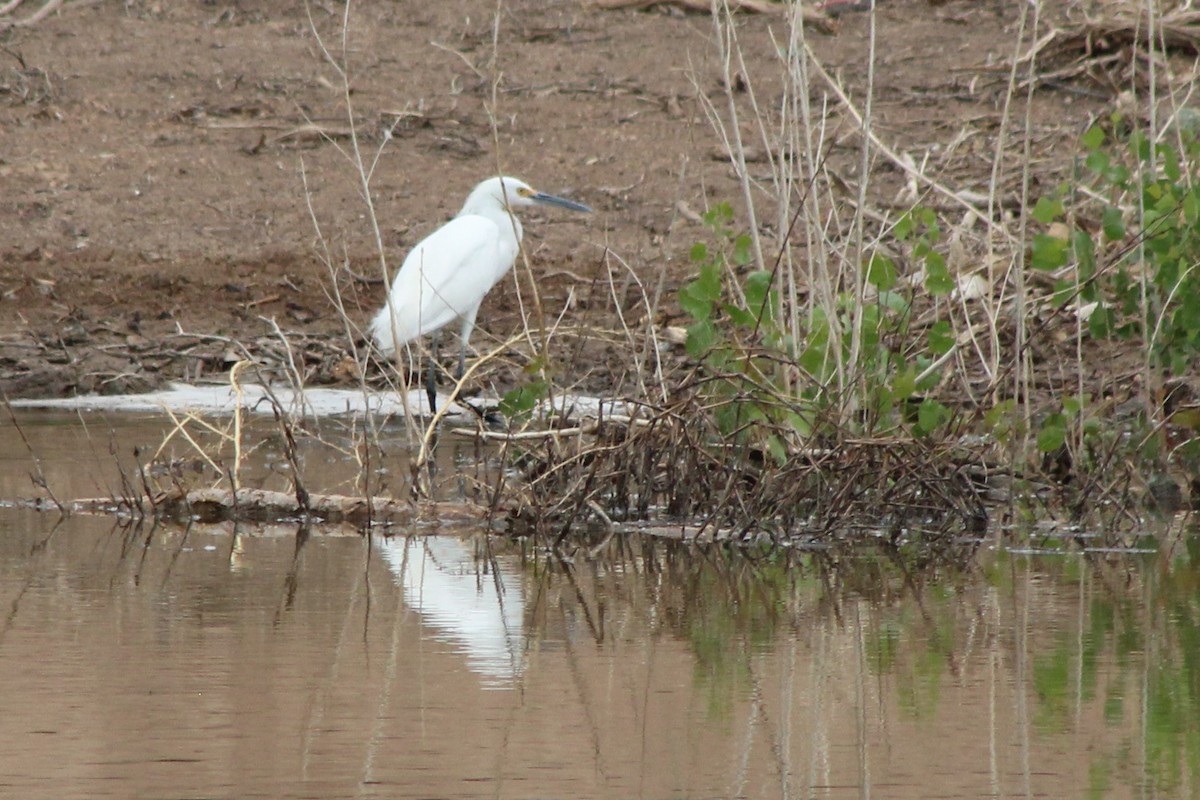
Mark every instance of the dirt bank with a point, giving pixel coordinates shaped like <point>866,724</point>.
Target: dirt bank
<point>159,161</point>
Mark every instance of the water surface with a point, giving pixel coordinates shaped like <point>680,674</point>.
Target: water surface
<point>218,661</point>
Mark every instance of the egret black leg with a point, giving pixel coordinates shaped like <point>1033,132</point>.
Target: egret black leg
<point>431,377</point>
<point>462,361</point>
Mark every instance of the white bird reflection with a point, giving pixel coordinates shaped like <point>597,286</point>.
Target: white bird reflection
<point>479,610</point>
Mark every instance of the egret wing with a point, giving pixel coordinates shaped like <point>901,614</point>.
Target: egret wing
<point>443,279</point>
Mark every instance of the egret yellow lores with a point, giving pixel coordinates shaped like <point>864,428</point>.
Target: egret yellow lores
<point>447,274</point>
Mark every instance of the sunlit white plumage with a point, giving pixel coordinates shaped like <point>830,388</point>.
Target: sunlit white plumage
<point>446,276</point>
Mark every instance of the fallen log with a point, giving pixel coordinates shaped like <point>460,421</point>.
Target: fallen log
<point>814,17</point>
<point>263,506</point>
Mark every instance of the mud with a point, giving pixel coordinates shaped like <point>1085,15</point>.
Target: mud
<point>177,176</point>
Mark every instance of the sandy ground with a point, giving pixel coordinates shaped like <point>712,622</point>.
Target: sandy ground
<point>166,181</point>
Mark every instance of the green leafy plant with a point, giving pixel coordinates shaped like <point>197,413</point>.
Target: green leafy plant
<point>1154,291</point>
<point>518,403</point>
<point>854,367</point>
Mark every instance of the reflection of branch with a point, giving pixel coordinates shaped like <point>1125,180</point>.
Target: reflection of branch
<point>38,477</point>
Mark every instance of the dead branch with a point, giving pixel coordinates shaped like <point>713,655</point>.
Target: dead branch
<point>811,16</point>
<point>260,505</point>
<point>1107,33</point>
<point>48,8</point>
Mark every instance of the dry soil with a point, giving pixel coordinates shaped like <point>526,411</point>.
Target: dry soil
<point>175,173</point>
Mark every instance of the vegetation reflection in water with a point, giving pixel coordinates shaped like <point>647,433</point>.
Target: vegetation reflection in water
<point>1133,649</point>
<point>1101,640</point>
<point>996,673</point>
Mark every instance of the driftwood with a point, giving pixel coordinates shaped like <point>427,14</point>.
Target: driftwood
<point>1109,32</point>
<point>811,16</point>
<point>351,514</point>
<point>48,8</point>
<point>1174,30</point>
<point>259,505</point>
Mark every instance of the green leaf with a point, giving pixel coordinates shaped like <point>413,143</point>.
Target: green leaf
<point>739,316</point>
<point>931,415</point>
<point>929,219</point>
<point>1093,139</point>
<point>521,400</point>
<point>1139,146</point>
<point>815,361</point>
<point>1191,208</point>
<point>938,281</point>
<point>1170,164</point>
<point>718,217</point>
<point>941,337</point>
<point>930,381</point>
<point>1053,433</point>
<point>801,423</point>
<point>881,272</point>
<point>999,419</point>
<point>693,303</point>
<point>697,298</point>
<point>1098,162</point>
<point>758,284</point>
<point>701,338</point>
<point>1185,322</point>
<point>904,383</point>
<point>893,301</point>
<point>777,449</point>
<point>1047,210</point>
<point>1064,291</point>
<point>870,327</point>
<point>699,252</point>
<point>1049,252</point>
<point>1113,223</point>
<point>742,250</point>
<point>1085,254</point>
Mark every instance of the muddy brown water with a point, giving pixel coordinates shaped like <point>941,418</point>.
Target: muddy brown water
<point>270,662</point>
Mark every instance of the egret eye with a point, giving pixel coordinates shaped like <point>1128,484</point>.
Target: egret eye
<point>523,192</point>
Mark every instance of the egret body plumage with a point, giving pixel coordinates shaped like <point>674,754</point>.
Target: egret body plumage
<point>447,274</point>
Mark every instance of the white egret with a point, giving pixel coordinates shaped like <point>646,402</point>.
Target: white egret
<point>447,274</point>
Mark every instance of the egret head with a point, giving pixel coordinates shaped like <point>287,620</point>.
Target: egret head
<point>504,191</point>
